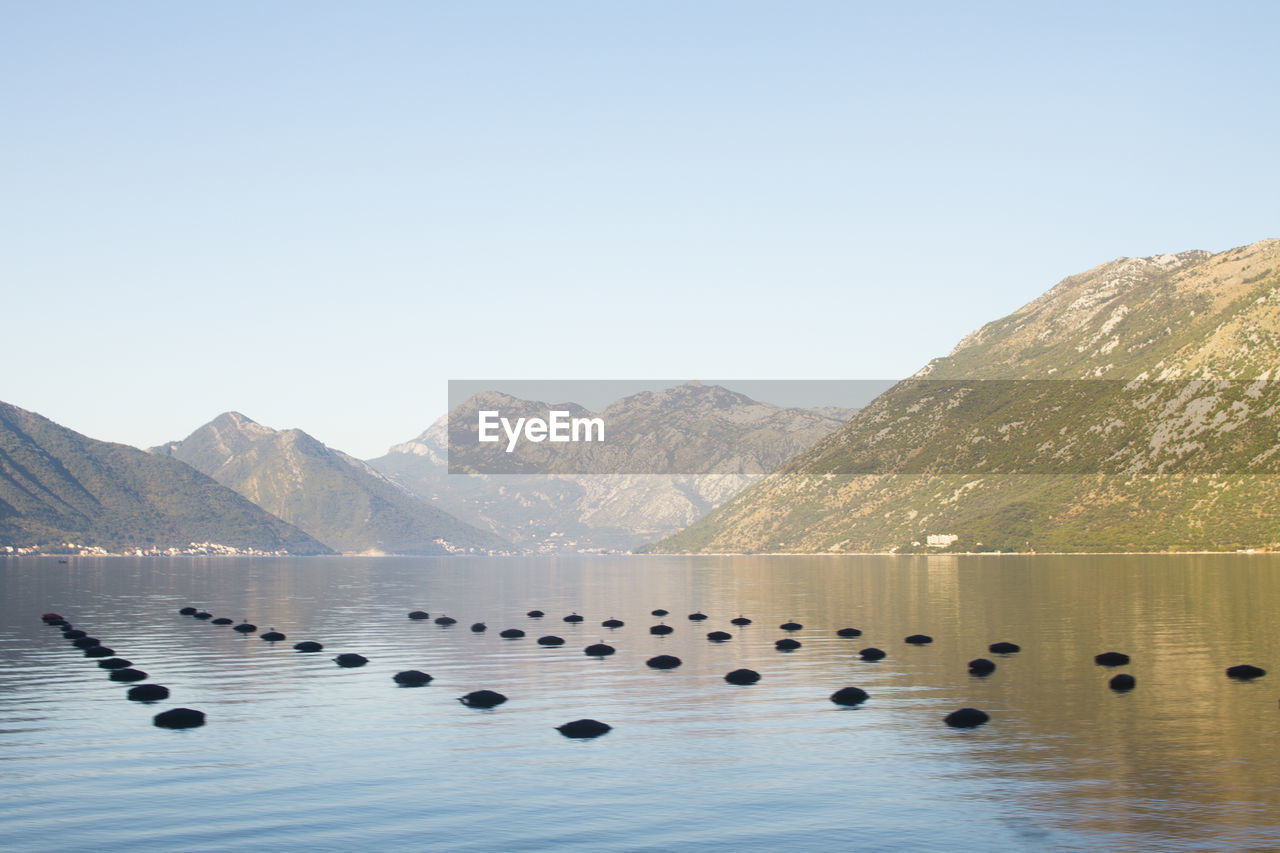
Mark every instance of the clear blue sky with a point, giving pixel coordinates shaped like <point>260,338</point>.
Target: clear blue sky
<point>317,213</point>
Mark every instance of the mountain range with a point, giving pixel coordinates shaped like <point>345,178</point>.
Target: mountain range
<point>660,444</point>
<point>1131,407</point>
<point>335,498</point>
<point>58,486</point>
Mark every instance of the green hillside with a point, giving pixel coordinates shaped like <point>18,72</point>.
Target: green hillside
<point>1132,407</point>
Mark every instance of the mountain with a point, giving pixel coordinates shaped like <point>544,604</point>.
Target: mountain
<point>676,454</point>
<point>59,486</point>
<point>335,498</point>
<point>1131,407</point>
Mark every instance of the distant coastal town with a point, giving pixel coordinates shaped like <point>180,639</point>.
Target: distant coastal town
<point>194,549</point>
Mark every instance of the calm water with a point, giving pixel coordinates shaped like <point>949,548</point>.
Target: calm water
<point>299,754</point>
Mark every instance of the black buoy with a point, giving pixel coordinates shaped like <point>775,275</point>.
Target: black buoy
<point>127,674</point>
<point>786,644</point>
<point>272,636</point>
<point>50,618</point>
<point>85,642</point>
<point>179,718</point>
<point>308,646</point>
<point>661,629</point>
<point>483,699</point>
<point>919,639</point>
<point>74,634</point>
<point>742,676</point>
<point>551,640</point>
<point>350,659</point>
<point>418,615</point>
<point>411,678</point>
<point>115,663</point>
<point>148,693</point>
<point>445,620</point>
<point>479,627</point>
<point>583,729</point>
<point>966,718</point>
<point>511,634</point>
<point>245,628</point>
<point>872,653</point>
<point>204,614</point>
<point>221,620</point>
<point>573,617</point>
<point>535,614</point>
<point>599,650</point>
<point>1245,672</point>
<point>849,696</point>
<point>791,626</point>
<point>659,612</point>
<point>740,620</point>
<point>1123,681</point>
<point>99,652</point>
<point>1004,648</point>
<point>663,662</point>
<point>697,617</point>
<point>719,636</point>
<point>612,623</point>
<point>188,611</point>
<point>981,666</point>
<point>1111,659</point>
<point>848,632</point>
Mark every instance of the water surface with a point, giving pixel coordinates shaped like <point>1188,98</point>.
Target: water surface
<point>299,754</point>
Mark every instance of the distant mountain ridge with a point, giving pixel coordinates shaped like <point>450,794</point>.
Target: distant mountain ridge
<point>985,446</point>
<point>57,485</point>
<point>653,438</point>
<point>335,498</point>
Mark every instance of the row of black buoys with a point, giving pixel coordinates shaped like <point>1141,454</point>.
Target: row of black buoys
<point>122,670</point>
<point>411,678</point>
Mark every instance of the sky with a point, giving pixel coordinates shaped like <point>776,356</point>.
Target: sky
<point>319,213</point>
